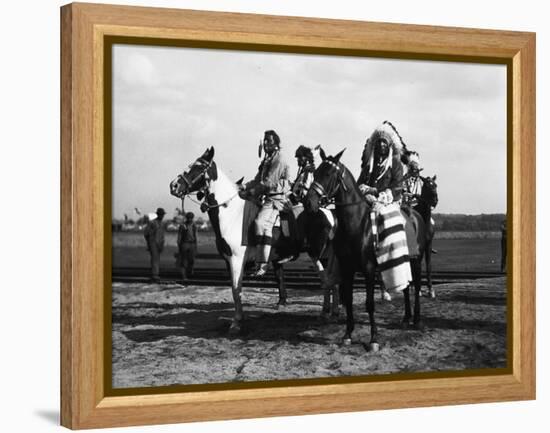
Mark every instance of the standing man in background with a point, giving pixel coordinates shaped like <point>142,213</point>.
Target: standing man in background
<point>154,237</point>
<point>187,246</point>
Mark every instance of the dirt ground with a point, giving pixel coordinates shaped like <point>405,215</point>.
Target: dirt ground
<point>167,334</point>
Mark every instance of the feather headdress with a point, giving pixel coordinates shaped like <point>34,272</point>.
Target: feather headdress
<point>387,132</point>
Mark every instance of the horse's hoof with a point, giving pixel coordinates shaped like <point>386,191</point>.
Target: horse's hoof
<point>374,347</point>
<point>405,324</point>
<point>281,306</point>
<point>346,341</point>
<point>432,294</point>
<point>235,329</point>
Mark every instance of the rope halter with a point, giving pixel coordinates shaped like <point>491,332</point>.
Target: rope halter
<point>204,166</point>
<point>326,197</point>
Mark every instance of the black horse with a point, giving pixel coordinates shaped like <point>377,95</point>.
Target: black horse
<point>310,232</point>
<point>427,200</point>
<point>354,241</point>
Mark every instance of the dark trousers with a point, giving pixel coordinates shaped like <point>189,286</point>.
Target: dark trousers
<point>155,251</point>
<point>188,251</point>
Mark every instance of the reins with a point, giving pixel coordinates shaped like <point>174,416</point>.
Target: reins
<point>204,205</point>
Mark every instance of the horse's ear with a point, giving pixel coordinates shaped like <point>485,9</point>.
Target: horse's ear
<point>435,177</point>
<point>339,155</point>
<point>322,153</point>
<point>209,154</point>
<point>240,181</point>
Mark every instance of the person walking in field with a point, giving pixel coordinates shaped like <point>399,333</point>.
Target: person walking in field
<point>154,237</point>
<point>187,246</point>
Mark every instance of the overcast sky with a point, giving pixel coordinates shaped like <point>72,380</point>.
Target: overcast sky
<point>169,104</point>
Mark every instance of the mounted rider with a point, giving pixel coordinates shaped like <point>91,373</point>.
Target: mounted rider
<point>273,176</point>
<point>305,159</point>
<point>413,181</point>
<point>382,182</point>
<point>304,177</point>
<point>381,178</point>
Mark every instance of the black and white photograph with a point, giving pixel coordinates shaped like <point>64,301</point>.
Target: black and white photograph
<point>275,216</point>
<point>287,216</point>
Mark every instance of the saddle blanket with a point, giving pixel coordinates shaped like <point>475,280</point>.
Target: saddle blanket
<point>392,253</point>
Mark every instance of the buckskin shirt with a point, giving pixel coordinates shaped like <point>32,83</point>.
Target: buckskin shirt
<point>391,179</point>
<point>274,173</point>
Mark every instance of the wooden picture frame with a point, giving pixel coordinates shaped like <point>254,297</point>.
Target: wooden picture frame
<point>85,218</point>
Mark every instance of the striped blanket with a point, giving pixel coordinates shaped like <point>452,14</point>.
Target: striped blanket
<point>392,252</point>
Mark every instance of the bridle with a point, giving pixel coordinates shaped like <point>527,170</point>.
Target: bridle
<point>205,166</point>
<point>328,197</point>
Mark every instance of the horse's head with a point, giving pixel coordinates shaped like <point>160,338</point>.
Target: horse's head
<point>429,191</point>
<point>196,179</point>
<point>327,180</point>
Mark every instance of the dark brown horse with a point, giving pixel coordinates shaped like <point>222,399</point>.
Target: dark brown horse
<point>427,200</point>
<point>311,232</point>
<point>354,241</point>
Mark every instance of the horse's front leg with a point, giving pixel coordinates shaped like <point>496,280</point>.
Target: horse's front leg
<point>280,279</point>
<point>429,269</point>
<point>416,267</point>
<point>347,297</point>
<point>335,305</point>
<point>236,268</point>
<point>370,281</point>
<point>325,310</point>
<point>407,317</point>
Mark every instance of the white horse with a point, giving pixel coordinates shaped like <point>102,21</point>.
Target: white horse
<point>226,210</point>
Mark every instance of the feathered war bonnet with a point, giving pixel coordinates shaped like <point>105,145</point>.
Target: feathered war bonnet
<point>387,132</point>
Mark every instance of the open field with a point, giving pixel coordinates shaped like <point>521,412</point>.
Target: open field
<point>472,255</point>
<point>166,334</point>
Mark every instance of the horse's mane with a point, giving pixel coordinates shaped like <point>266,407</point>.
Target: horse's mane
<point>348,174</point>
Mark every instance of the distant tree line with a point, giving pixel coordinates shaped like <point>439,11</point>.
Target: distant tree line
<point>472,223</point>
